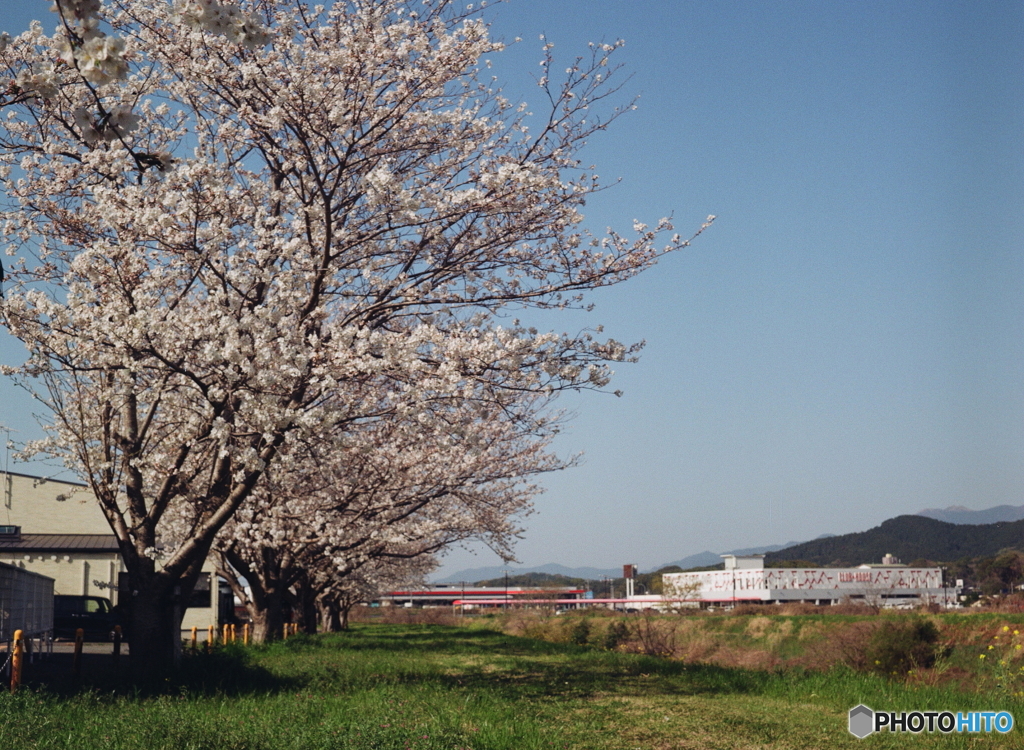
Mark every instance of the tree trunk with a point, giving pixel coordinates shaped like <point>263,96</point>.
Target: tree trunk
<point>154,631</point>
<point>305,605</point>
<point>267,599</point>
<point>330,621</point>
<point>268,615</point>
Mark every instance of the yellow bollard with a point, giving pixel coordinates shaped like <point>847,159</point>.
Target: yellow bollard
<point>284,632</point>
<point>224,635</point>
<point>16,659</point>
<point>195,638</point>
<point>209,639</point>
<point>295,628</point>
<point>76,665</point>
<point>245,634</point>
<point>232,632</point>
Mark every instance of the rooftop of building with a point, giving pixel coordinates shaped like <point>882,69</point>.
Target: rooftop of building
<point>19,542</point>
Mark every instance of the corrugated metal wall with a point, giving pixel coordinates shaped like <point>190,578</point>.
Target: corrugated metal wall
<point>26,602</point>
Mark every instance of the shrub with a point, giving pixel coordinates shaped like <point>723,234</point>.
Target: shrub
<point>655,635</point>
<point>901,644</point>
<point>580,632</point>
<point>616,633</point>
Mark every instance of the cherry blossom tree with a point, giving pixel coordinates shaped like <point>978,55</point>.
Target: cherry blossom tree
<point>380,575</point>
<point>220,215</point>
<point>393,489</point>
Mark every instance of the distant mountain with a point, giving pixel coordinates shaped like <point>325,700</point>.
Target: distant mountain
<point>704,559</point>
<point>472,575</point>
<point>700,560</point>
<point>960,515</point>
<point>909,538</point>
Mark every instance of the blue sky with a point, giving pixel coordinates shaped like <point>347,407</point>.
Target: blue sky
<point>845,343</point>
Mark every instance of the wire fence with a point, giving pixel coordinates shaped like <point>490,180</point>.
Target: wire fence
<point>26,603</point>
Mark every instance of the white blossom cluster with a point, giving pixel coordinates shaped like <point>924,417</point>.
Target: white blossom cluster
<point>117,124</point>
<point>99,58</point>
<point>224,19</point>
<point>78,11</point>
<point>41,80</point>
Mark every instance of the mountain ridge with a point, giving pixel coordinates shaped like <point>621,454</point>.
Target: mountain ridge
<point>909,538</point>
<point>960,515</point>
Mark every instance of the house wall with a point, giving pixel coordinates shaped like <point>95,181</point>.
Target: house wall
<point>52,506</point>
<point>84,573</point>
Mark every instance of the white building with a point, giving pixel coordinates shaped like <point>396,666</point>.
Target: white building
<point>745,579</point>
<point>56,528</point>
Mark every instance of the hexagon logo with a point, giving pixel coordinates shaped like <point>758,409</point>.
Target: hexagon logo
<point>862,721</point>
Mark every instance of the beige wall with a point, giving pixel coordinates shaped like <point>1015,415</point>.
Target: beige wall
<point>51,506</point>
<point>85,573</point>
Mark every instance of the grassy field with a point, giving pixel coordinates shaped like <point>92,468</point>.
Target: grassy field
<point>429,687</point>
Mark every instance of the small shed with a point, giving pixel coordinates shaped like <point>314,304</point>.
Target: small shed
<point>26,603</point>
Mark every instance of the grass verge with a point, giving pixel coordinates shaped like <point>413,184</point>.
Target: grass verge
<point>423,687</point>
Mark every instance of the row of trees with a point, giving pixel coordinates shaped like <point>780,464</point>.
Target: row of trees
<point>994,575</point>
<point>261,256</point>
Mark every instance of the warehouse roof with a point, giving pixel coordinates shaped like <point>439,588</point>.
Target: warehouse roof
<point>58,543</point>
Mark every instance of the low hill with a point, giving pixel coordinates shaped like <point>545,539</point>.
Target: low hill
<point>537,580</point>
<point>908,538</point>
<point>493,572</point>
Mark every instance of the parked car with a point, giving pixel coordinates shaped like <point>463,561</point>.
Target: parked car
<point>94,614</point>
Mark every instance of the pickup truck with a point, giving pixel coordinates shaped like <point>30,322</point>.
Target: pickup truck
<point>94,614</point>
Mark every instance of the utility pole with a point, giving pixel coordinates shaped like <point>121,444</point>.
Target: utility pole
<point>8,488</point>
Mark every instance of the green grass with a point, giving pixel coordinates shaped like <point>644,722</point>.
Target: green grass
<point>421,687</point>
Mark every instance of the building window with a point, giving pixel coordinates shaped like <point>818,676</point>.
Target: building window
<point>201,593</point>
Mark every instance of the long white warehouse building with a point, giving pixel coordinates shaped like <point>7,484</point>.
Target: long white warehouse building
<point>745,579</point>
